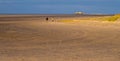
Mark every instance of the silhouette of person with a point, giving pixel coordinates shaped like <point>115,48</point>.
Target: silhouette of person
<point>47,19</point>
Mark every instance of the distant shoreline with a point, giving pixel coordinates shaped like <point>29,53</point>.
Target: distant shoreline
<point>54,15</point>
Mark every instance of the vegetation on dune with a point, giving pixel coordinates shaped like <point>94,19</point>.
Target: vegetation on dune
<point>106,18</point>
<point>110,18</point>
<point>113,18</point>
<point>67,21</point>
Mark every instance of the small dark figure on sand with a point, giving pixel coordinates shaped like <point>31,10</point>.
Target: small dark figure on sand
<point>47,19</point>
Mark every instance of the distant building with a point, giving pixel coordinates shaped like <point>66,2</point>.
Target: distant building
<point>79,13</point>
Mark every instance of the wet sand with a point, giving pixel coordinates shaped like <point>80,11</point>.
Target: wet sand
<point>38,40</point>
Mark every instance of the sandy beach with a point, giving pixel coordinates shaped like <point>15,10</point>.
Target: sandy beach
<point>34,39</point>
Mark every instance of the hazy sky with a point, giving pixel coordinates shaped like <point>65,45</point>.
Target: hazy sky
<point>58,6</point>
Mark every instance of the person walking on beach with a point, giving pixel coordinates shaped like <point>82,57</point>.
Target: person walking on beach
<point>47,19</point>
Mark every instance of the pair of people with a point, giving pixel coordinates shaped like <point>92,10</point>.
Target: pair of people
<point>52,19</point>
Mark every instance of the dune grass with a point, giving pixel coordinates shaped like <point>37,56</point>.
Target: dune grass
<point>67,21</point>
<point>114,18</point>
<point>108,18</point>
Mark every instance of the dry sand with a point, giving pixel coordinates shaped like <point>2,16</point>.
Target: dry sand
<point>57,41</point>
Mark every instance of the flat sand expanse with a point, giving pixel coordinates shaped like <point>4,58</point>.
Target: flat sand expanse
<point>57,41</point>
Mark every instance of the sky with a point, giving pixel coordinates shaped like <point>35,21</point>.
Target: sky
<point>59,6</point>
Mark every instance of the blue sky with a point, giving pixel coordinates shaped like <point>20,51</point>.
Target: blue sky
<point>59,6</point>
